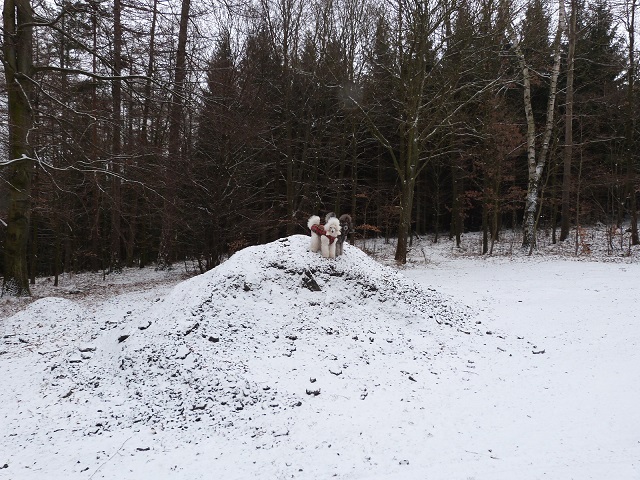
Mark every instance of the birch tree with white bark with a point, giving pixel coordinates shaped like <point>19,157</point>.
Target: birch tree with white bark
<point>538,154</point>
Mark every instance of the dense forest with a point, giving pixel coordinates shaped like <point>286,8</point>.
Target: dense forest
<point>141,132</point>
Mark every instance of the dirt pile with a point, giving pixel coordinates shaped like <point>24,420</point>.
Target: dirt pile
<point>266,331</point>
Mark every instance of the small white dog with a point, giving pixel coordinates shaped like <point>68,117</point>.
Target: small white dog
<point>324,238</point>
<point>346,225</point>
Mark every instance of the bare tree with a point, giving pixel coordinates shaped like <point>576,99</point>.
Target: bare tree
<point>565,220</point>
<point>283,20</point>
<point>116,187</point>
<point>426,98</point>
<point>630,123</point>
<point>18,70</point>
<point>537,159</point>
<point>174,160</point>
<point>71,73</point>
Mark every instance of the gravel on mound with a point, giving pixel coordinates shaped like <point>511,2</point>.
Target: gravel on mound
<point>39,326</point>
<point>265,332</point>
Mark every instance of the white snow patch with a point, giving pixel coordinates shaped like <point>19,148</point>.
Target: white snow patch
<point>245,373</point>
<point>249,339</point>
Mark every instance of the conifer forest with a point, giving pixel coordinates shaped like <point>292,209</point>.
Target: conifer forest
<point>138,132</point>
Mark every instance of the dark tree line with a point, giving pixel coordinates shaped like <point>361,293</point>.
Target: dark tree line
<point>147,132</point>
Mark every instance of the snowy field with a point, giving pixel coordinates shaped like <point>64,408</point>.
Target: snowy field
<point>279,364</point>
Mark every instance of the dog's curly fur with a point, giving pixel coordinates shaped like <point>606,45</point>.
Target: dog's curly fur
<point>346,227</point>
<point>322,242</point>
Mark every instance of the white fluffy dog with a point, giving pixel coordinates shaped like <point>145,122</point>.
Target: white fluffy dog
<point>324,238</point>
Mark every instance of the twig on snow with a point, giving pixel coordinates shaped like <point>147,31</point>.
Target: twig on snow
<point>111,457</point>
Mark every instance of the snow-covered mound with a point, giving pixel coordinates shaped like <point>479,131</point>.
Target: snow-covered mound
<point>270,329</point>
<point>40,326</point>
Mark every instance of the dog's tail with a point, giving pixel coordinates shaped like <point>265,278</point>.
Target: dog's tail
<point>313,220</point>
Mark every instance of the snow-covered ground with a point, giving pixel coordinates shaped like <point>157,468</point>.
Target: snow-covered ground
<point>280,364</point>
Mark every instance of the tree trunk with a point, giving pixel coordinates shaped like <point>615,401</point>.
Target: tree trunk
<point>456,208</point>
<point>290,14</point>
<point>57,255</point>
<point>150,70</point>
<point>554,204</point>
<point>408,173</point>
<point>630,128</point>
<point>97,251</point>
<point>354,172</point>
<point>404,227</point>
<point>18,65</point>
<point>565,220</point>
<point>419,197</point>
<point>436,206</point>
<point>485,225</point>
<point>116,149</point>
<point>290,159</point>
<point>33,257</point>
<point>133,227</point>
<point>536,165</point>
<point>494,228</point>
<point>165,254</point>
